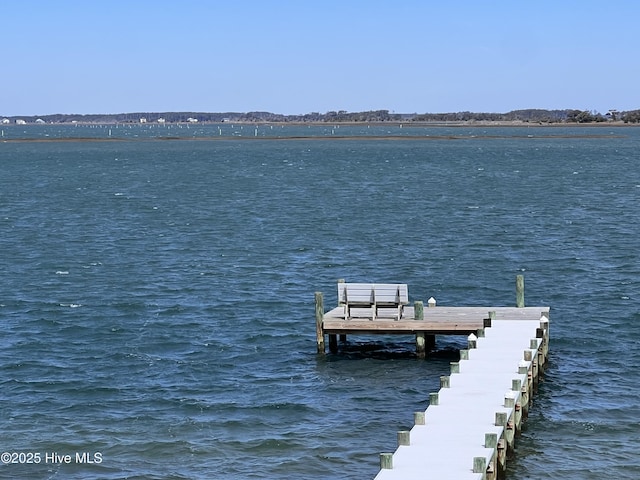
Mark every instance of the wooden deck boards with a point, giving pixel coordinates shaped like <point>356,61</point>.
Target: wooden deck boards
<point>437,320</point>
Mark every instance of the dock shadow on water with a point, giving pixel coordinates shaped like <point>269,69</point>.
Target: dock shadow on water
<point>393,350</point>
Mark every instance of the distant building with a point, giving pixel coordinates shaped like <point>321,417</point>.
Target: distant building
<point>39,120</point>
<point>6,120</point>
<point>143,120</point>
<point>20,122</point>
<point>192,120</point>
<point>161,120</point>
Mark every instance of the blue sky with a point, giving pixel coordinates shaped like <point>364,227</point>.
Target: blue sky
<point>63,56</point>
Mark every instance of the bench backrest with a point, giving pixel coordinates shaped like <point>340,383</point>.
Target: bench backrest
<point>389,293</point>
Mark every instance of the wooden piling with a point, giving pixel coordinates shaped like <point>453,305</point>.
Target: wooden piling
<point>343,336</point>
<point>421,340</point>
<point>520,291</point>
<point>491,441</point>
<point>479,465</point>
<point>386,461</point>
<point>418,306</point>
<point>333,343</point>
<point>319,320</point>
<point>544,348</point>
<point>524,390</point>
<point>516,387</point>
<point>501,458</point>
<point>421,345</point>
<point>404,438</point>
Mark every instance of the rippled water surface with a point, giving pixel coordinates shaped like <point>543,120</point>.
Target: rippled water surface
<point>156,296</point>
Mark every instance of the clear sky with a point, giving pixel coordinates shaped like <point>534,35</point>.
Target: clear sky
<point>301,56</point>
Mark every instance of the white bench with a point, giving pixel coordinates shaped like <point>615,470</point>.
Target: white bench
<point>375,298</point>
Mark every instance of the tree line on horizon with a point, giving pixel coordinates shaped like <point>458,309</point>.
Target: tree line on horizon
<point>526,115</point>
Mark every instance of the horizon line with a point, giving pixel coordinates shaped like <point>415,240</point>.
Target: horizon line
<point>343,112</point>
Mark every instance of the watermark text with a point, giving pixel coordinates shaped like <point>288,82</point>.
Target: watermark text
<point>56,458</point>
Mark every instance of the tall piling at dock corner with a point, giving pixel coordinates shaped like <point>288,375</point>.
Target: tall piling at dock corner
<point>471,423</point>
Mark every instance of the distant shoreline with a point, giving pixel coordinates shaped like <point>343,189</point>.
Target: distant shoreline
<point>515,117</point>
<point>407,124</point>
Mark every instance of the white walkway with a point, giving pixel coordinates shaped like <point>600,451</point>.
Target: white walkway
<point>451,444</point>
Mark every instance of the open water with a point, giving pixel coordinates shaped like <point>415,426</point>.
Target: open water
<point>156,296</point>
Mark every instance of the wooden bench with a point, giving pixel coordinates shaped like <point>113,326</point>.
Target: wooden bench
<point>373,297</point>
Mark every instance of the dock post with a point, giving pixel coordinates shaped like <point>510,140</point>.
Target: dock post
<point>507,422</point>
<point>501,421</point>
<point>430,340</point>
<point>491,441</point>
<point>544,324</point>
<point>343,336</point>
<point>404,438</point>
<point>534,364</point>
<point>480,465</point>
<point>386,461</point>
<point>418,307</point>
<point>333,343</point>
<point>501,459</point>
<point>520,291</point>
<point>421,344</point>
<point>516,387</point>
<point>319,319</point>
<point>541,357</point>
<point>523,368</point>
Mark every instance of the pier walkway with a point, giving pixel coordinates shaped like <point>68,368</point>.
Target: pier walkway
<point>471,423</point>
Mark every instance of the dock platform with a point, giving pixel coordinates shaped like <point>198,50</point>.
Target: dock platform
<point>471,423</point>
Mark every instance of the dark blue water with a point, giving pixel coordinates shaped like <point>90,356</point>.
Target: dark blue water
<point>156,297</point>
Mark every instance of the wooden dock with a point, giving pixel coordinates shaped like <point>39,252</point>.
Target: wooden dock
<point>471,423</point>
<point>424,323</point>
